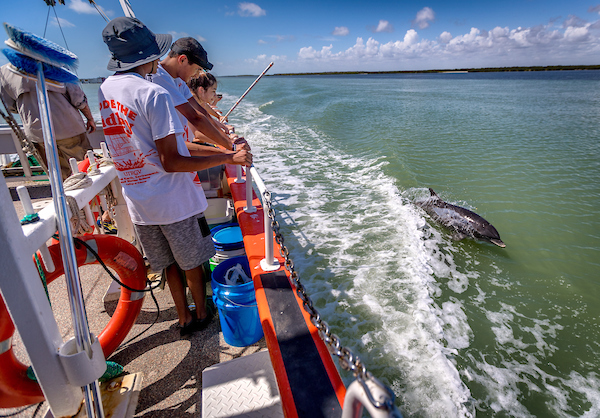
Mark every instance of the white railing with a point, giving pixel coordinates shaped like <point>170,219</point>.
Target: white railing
<point>26,300</point>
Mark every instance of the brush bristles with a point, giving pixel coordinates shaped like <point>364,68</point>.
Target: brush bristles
<point>29,66</point>
<point>40,49</point>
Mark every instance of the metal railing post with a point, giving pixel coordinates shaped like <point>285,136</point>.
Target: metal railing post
<point>269,263</point>
<point>250,208</point>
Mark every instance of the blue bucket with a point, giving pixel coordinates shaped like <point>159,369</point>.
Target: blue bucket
<point>238,312</point>
<point>227,237</point>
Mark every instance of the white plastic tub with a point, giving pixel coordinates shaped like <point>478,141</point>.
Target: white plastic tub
<point>220,210</point>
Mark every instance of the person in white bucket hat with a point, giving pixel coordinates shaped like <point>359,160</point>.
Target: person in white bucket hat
<point>144,135</point>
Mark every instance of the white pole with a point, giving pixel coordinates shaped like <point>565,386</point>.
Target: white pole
<point>127,9</point>
<point>269,263</point>
<point>104,147</point>
<point>250,208</point>
<point>80,325</point>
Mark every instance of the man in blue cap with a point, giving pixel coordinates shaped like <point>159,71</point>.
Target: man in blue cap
<point>185,60</point>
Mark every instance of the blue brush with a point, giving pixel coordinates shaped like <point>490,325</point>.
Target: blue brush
<point>39,48</point>
<point>27,67</point>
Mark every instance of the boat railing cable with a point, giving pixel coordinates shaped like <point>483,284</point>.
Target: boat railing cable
<point>366,390</point>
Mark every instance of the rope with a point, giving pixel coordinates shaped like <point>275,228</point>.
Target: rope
<point>94,168</point>
<point>77,181</point>
<point>78,221</point>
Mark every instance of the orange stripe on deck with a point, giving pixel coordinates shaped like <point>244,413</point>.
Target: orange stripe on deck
<point>252,227</point>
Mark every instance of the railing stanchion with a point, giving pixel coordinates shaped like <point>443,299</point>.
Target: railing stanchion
<point>104,148</point>
<point>269,263</point>
<point>89,217</point>
<point>28,208</point>
<point>250,208</point>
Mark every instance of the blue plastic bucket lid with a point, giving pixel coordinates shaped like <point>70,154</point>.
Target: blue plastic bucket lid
<point>230,235</point>
<point>227,237</point>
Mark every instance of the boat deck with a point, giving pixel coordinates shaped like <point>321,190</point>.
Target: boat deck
<point>171,366</point>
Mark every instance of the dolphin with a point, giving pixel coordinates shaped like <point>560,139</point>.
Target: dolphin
<point>463,222</point>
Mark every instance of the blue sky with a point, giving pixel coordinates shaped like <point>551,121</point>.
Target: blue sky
<point>341,35</point>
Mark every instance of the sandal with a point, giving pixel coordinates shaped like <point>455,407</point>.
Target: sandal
<point>201,324</point>
<point>188,328</point>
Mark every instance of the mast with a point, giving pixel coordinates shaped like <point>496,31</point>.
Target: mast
<point>127,9</point>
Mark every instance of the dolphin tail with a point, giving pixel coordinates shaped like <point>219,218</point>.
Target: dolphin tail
<point>433,194</point>
<point>498,242</point>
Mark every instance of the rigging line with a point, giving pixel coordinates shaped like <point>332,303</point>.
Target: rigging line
<point>60,27</point>
<point>47,17</point>
<point>99,10</point>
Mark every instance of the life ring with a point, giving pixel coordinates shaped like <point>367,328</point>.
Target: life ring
<point>16,389</point>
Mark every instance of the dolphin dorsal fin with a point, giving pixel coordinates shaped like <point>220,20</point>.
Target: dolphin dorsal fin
<point>433,194</point>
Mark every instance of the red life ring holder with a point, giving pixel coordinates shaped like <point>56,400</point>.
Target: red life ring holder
<point>16,389</point>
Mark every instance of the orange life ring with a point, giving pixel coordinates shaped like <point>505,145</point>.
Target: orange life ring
<point>16,389</point>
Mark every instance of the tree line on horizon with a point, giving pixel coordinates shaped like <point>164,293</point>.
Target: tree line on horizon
<point>470,70</point>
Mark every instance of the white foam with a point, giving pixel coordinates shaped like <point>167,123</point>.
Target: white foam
<point>373,262</point>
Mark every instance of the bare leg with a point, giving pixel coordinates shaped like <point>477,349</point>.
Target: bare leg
<point>195,281</point>
<point>178,294</point>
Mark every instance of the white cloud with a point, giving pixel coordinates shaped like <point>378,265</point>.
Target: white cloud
<point>445,37</point>
<point>250,10</point>
<point>177,35</point>
<point>577,34</point>
<point>261,42</point>
<point>263,59</point>
<point>284,38</point>
<point>424,17</point>
<point>500,46</point>
<point>340,31</point>
<point>574,21</point>
<point>63,23</point>
<point>594,9</point>
<point>80,6</point>
<point>311,54</point>
<point>384,26</point>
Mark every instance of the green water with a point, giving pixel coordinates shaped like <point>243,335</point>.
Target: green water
<point>455,328</point>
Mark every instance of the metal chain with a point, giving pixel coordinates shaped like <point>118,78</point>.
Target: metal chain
<point>347,359</point>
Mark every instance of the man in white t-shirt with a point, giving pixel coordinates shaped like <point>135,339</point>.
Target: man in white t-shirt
<point>144,135</point>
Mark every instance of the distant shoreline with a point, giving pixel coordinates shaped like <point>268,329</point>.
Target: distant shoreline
<point>447,71</point>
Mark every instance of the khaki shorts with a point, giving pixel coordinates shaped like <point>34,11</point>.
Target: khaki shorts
<point>74,147</point>
<point>188,243</point>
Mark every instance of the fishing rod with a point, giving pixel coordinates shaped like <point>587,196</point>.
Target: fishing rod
<point>249,88</point>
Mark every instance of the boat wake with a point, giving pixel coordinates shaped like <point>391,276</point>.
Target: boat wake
<point>369,261</point>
